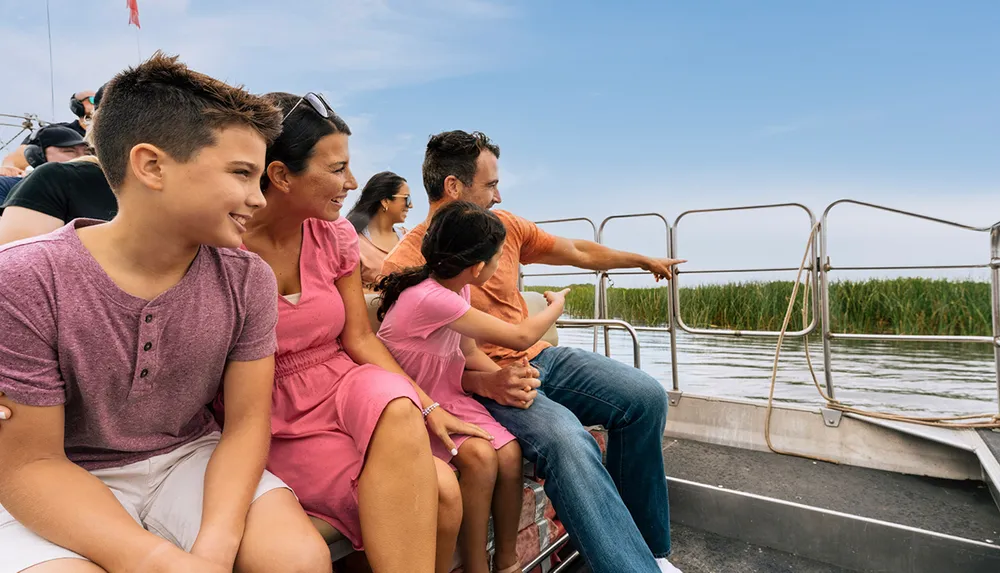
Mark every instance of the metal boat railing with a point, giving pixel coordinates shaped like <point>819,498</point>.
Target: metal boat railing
<point>595,274</point>
<point>819,268</point>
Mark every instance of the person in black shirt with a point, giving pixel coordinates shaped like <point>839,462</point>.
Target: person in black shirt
<point>53,195</point>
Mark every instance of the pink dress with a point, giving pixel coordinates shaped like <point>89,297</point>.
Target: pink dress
<point>325,407</point>
<point>416,331</point>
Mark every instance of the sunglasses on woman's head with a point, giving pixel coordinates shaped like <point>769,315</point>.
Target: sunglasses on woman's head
<point>409,200</point>
<point>315,101</point>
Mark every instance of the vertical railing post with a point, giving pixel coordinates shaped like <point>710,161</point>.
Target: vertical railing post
<point>824,292</point>
<point>598,287</point>
<point>597,305</point>
<point>672,307</point>
<point>814,272</point>
<point>995,280</point>
<point>604,313</point>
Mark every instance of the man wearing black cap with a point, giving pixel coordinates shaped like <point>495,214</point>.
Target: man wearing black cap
<point>55,144</point>
<point>82,104</point>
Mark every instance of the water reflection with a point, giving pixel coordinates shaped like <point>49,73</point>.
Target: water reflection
<point>912,378</point>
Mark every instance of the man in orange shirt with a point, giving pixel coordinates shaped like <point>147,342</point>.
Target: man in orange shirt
<point>546,395</point>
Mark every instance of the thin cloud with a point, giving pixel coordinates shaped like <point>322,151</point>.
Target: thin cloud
<point>852,120</point>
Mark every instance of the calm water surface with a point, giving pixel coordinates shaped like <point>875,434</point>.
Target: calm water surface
<point>914,378</point>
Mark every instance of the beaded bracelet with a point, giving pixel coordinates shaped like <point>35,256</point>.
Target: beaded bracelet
<point>427,411</point>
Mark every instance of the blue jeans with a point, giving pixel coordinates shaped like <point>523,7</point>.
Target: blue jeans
<point>618,516</point>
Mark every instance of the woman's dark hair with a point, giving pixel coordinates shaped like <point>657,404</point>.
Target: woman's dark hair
<point>381,186</point>
<point>300,132</point>
<point>460,235</point>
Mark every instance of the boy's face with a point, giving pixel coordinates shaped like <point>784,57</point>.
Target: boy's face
<point>217,191</point>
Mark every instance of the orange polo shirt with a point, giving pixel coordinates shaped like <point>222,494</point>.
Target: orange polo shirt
<point>499,297</point>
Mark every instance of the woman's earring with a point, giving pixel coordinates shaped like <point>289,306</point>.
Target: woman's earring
<point>384,208</point>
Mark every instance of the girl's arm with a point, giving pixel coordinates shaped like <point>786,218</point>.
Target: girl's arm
<point>482,327</point>
<point>476,359</point>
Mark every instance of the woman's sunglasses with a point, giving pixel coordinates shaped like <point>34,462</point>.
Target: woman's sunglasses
<point>315,101</point>
<point>409,200</point>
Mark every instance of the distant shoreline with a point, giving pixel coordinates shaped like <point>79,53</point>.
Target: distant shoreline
<point>874,306</point>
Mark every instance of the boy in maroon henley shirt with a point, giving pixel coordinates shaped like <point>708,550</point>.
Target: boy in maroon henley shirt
<point>115,336</point>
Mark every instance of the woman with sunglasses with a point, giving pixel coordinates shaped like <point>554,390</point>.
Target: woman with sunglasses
<point>348,426</point>
<point>384,203</point>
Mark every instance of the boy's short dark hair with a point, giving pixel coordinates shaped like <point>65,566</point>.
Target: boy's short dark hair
<point>453,153</point>
<point>164,103</point>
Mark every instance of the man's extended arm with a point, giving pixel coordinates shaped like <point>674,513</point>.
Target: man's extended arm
<point>596,257</point>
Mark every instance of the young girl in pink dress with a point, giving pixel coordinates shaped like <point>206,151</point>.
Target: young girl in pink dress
<point>431,330</point>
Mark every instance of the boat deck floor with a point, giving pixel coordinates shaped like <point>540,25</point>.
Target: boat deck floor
<point>701,552</point>
<point>963,509</point>
<point>959,508</point>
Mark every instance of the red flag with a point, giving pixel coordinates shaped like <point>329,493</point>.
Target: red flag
<point>133,12</point>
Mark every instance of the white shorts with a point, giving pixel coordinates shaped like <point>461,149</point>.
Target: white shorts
<point>163,493</point>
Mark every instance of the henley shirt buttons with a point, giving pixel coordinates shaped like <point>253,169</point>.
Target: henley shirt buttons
<point>144,373</point>
<point>149,318</point>
<point>147,346</point>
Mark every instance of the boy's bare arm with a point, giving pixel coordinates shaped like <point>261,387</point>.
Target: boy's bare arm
<point>237,464</point>
<point>61,501</point>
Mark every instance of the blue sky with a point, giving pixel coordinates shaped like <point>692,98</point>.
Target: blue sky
<point>605,108</point>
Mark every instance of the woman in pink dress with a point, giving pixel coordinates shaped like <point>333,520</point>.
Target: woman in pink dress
<point>347,424</point>
<point>385,200</point>
<point>431,330</point>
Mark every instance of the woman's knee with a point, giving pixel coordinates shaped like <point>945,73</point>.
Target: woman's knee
<point>401,419</point>
<point>477,459</point>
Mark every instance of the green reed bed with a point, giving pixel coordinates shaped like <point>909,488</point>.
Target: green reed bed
<point>883,306</point>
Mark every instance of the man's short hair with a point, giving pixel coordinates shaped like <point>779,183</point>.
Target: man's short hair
<point>453,153</point>
<point>164,103</point>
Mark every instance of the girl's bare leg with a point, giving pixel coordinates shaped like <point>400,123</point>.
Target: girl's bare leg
<point>507,498</point>
<point>477,467</point>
